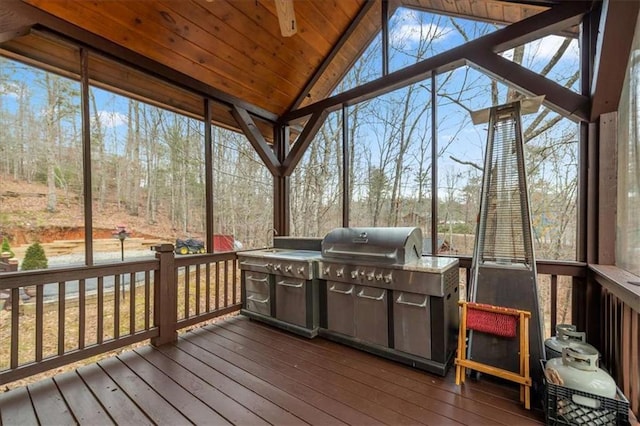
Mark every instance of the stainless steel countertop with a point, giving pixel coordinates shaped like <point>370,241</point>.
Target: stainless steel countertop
<point>431,264</point>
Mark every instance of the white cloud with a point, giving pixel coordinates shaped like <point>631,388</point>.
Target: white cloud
<point>112,118</point>
<point>413,33</point>
<point>411,28</point>
<point>544,49</point>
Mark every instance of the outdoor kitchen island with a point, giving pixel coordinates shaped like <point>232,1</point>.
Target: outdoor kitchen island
<point>368,288</point>
<point>280,287</point>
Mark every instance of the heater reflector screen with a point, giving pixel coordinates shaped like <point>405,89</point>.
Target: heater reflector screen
<point>505,218</point>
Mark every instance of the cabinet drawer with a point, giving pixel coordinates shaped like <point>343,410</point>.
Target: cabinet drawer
<point>256,282</point>
<point>258,302</point>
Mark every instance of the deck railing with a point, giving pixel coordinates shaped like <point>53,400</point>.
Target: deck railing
<point>209,286</point>
<point>556,281</point>
<point>81,312</point>
<point>77,313</point>
<point>620,329</point>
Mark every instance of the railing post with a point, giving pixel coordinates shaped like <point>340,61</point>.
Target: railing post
<point>165,312</point>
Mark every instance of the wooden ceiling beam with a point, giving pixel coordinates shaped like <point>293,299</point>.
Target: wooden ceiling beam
<point>551,21</point>
<point>13,24</point>
<point>302,143</point>
<point>557,97</point>
<point>84,38</point>
<point>256,139</point>
<point>11,34</point>
<point>617,27</point>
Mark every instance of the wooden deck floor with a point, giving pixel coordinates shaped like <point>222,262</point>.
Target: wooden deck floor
<point>242,372</point>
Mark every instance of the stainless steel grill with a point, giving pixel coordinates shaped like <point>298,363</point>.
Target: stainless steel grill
<point>382,296</point>
<point>383,245</point>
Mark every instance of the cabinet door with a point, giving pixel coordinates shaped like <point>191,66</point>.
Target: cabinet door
<point>412,323</point>
<point>371,315</point>
<point>290,300</point>
<point>340,308</point>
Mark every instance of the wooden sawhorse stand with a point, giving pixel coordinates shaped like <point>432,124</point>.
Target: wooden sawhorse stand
<point>502,322</point>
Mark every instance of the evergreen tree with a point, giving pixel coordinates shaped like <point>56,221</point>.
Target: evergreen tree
<point>34,258</point>
<point>6,248</point>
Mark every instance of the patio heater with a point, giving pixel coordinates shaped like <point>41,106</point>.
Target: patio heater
<point>503,271</point>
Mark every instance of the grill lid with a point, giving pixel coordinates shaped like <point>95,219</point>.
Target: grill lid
<point>380,245</point>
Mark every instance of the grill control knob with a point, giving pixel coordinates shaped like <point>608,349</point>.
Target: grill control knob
<point>327,270</point>
<point>378,277</point>
<point>354,274</point>
<point>301,270</point>
<point>387,278</point>
<point>288,268</point>
<point>277,267</point>
<point>339,272</point>
<point>269,265</point>
<point>370,276</point>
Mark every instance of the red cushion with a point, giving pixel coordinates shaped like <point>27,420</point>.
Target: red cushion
<point>492,322</point>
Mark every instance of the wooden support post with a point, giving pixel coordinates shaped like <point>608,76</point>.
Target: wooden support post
<point>165,311</point>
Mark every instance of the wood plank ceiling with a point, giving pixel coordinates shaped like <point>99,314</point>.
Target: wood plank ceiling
<point>235,46</point>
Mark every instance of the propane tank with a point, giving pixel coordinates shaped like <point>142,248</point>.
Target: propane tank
<point>566,334</point>
<point>579,371</point>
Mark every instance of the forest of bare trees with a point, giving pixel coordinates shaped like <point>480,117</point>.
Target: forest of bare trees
<point>148,163</point>
<point>390,141</point>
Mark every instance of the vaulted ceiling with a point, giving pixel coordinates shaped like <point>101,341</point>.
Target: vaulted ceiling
<point>234,48</point>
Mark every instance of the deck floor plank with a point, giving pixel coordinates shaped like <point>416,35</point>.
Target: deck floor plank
<point>222,409</point>
<point>244,372</point>
<point>314,360</point>
<point>16,408</point>
<point>363,399</point>
<point>375,392</point>
<point>49,404</point>
<point>364,367</point>
<point>117,403</point>
<point>84,406</point>
<point>153,404</point>
<point>315,405</point>
<point>489,395</point>
<point>203,375</point>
